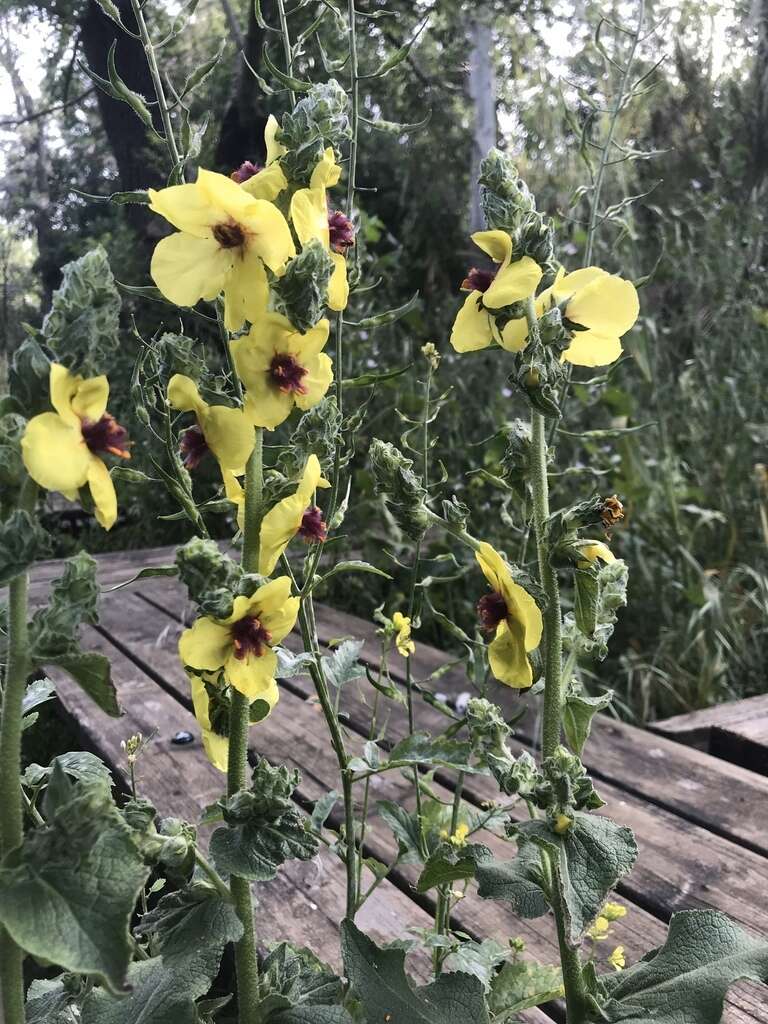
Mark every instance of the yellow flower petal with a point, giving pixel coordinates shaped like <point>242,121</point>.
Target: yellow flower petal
<point>269,235</point>
<point>275,608</point>
<point>594,549</point>
<point>520,605</point>
<point>338,286</point>
<point>234,492</point>
<point>309,215</point>
<point>267,184</point>
<point>89,401</point>
<point>607,304</point>
<point>55,454</point>
<point>226,197</point>
<point>206,645</point>
<point>309,344</point>
<point>513,283</point>
<point>326,172</point>
<point>63,386</point>
<point>507,657</point>
<point>186,207</point>
<point>229,435</point>
<point>102,492</point>
<point>216,746</point>
<point>246,292</point>
<point>317,380</point>
<point>514,335</point>
<point>472,328</point>
<point>278,528</point>
<point>253,675</point>
<point>274,148</point>
<point>402,623</point>
<point>588,348</point>
<point>497,244</point>
<point>183,394</point>
<point>187,269</point>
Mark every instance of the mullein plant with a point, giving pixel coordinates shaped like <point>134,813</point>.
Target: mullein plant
<point>269,255</point>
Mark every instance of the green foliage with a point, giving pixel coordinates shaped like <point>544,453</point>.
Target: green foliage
<point>302,291</point>
<point>686,980</point>
<point>28,378</point>
<point>210,576</point>
<point>318,120</point>
<point>578,712</point>
<point>264,827</point>
<point>590,857</point>
<point>22,542</point>
<point>379,981</point>
<point>297,988</point>
<point>68,892</point>
<point>519,881</point>
<point>521,985</point>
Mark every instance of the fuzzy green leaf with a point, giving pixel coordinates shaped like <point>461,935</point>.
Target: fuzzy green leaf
<point>22,542</point>
<point>379,980</point>
<point>521,985</point>
<point>516,881</point>
<point>159,995</point>
<point>591,857</point>
<point>93,674</point>
<point>449,863</point>
<point>687,979</point>
<point>578,713</point>
<point>342,666</point>
<point>68,892</point>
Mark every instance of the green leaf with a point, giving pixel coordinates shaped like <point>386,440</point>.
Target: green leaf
<point>144,574</point>
<point>199,75</point>
<point>120,90</point>
<point>78,764</point>
<point>68,892</point>
<point>342,666</point>
<point>139,196</point>
<point>37,692</point>
<point>264,827</point>
<point>449,863</point>
<point>300,989</point>
<point>398,56</point>
<point>578,713</point>
<point>48,1002</point>
<point>421,748</point>
<point>93,674</point>
<point>29,377</point>
<point>516,881</point>
<point>22,542</point>
<point>367,380</point>
<point>396,128</point>
<point>405,829</point>
<point>390,317</point>
<point>159,995</point>
<point>519,986</point>
<point>290,664</point>
<point>73,600</point>
<point>478,958</point>
<point>323,808</point>
<point>191,927</point>
<point>591,857</point>
<point>353,565</point>
<point>296,84</point>
<point>379,980</point>
<point>686,980</point>
<point>585,601</point>
<point>612,595</point>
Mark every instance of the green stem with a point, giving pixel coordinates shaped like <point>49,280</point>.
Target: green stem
<point>286,46</point>
<point>246,958</point>
<point>11,812</point>
<point>212,874</point>
<point>553,684</point>
<point>157,82</point>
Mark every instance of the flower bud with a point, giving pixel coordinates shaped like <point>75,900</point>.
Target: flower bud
<point>402,488</point>
<point>301,293</point>
<point>210,576</point>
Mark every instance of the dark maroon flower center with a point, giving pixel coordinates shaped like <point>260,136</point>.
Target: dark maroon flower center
<point>250,637</point>
<point>106,435</point>
<point>478,280</point>
<point>229,236</point>
<point>313,527</point>
<point>245,172</point>
<point>341,231</point>
<point>288,374</point>
<point>193,447</point>
<point>492,609</point>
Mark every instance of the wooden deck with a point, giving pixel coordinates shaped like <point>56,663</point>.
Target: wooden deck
<point>700,821</point>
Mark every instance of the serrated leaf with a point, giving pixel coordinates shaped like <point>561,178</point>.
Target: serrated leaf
<point>323,808</point>
<point>23,541</point>
<point>421,748</point>
<point>93,674</point>
<point>159,995</point>
<point>687,979</point>
<point>585,601</point>
<point>78,764</point>
<point>342,666</point>
<point>48,1002</point>
<point>37,692</point>
<point>296,84</point>
<point>398,56</point>
<point>405,829</point>
<point>395,127</point>
<point>516,881</point>
<point>448,864</point>
<point>379,980</point>
<point>290,664</point>
<point>353,565</point>
<point>68,892</point>
<point>199,75</point>
<point>122,92</point>
<point>478,958</point>
<point>590,858</point>
<point>521,985</point>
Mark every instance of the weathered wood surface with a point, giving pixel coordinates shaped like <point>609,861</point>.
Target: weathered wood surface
<point>737,731</point>
<point>699,821</point>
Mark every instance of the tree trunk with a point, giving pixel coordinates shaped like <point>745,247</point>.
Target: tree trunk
<point>482,92</point>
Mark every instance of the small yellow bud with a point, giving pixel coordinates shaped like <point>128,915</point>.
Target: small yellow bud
<point>613,911</point>
<point>430,353</point>
<point>599,930</point>
<point>562,824</point>
<point>617,958</point>
<point>459,837</point>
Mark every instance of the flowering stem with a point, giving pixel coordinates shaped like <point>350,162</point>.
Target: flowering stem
<point>18,667</point>
<point>553,686</point>
<point>157,82</point>
<point>246,959</point>
<point>286,46</point>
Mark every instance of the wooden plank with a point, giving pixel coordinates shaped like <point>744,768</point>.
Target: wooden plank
<point>296,731</point>
<point>736,731</point>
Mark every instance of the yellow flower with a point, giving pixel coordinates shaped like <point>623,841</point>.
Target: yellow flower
<point>215,745</point>
<point>227,433</point>
<point>513,615</point>
<point>600,929</point>
<point>225,239</point>
<point>403,642</point>
<point>62,449</point>
<point>617,959</point>
<point>603,305</point>
<point>613,911</point>
<point>242,644</point>
<point>475,327</point>
<point>459,837</point>
<point>281,368</point>
<point>269,181</point>
<point>562,824</point>
<point>294,514</point>
<point>310,219</point>
<point>592,550</point>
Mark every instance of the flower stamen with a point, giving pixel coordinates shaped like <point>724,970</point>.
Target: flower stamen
<point>491,610</point>
<point>245,172</point>
<point>288,374</point>
<point>341,232</point>
<point>250,637</point>
<point>229,235</point>
<point>106,435</point>
<point>479,280</point>
<point>193,447</point>
<point>313,527</point>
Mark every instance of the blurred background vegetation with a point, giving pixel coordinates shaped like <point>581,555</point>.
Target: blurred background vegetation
<point>682,211</point>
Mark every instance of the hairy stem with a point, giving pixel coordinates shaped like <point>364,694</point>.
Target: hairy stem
<point>286,46</point>
<point>246,958</point>
<point>553,683</point>
<point>157,82</point>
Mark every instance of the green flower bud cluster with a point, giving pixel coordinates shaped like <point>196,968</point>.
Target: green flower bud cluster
<point>268,799</point>
<point>516,460</point>
<point>402,488</point>
<point>537,377</point>
<point>29,378</point>
<point>316,433</point>
<point>302,291</point>
<point>509,206</point>
<point>564,525</point>
<point>488,733</point>
<point>210,576</point>
<point>318,120</point>
<point>564,786</point>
